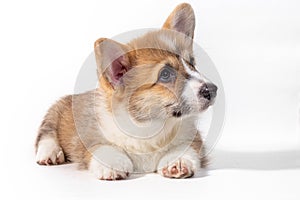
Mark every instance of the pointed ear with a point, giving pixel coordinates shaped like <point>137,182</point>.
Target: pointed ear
<point>112,60</point>
<point>182,19</point>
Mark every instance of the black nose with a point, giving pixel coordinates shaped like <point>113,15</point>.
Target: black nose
<point>208,91</point>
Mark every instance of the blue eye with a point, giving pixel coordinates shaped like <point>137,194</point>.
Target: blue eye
<point>167,74</point>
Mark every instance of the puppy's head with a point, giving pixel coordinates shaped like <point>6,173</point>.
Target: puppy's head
<point>155,76</point>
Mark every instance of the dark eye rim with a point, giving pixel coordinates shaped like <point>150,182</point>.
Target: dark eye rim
<point>172,74</point>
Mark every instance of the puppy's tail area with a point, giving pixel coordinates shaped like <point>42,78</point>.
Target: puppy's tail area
<point>50,124</point>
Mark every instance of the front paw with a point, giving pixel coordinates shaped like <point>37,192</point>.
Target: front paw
<point>108,163</point>
<point>182,168</point>
<point>49,153</point>
<point>106,173</point>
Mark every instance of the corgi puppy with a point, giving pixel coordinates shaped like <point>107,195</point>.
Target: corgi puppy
<point>142,116</point>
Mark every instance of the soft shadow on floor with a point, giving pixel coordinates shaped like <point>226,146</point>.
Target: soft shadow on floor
<point>272,160</point>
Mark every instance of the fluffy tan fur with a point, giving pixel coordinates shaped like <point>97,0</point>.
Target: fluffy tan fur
<point>81,124</point>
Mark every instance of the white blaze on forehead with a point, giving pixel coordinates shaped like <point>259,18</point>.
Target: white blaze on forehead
<point>193,74</point>
<point>193,85</point>
<point>191,90</point>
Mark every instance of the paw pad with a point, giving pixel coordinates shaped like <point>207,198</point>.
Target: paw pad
<point>179,169</point>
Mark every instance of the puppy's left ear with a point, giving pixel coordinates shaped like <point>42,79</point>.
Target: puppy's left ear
<point>112,60</point>
<point>182,19</point>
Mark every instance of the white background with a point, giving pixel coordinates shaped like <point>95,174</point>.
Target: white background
<point>255,46</point>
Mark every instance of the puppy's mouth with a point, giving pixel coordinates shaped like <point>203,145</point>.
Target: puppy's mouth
<point>184,109</point>
<point>179,109</point>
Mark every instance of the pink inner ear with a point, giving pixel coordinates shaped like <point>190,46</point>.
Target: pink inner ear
<point>118,69</point>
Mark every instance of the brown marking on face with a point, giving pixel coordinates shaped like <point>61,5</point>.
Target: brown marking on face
<point>149,101</point>
<point>157,56</point>
<point>147,56</point>
<point>146,95</point>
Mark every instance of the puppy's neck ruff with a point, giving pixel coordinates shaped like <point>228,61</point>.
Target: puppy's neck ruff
<point>118,126</point>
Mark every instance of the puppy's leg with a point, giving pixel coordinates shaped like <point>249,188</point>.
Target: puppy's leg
<point>48,149</point>
<point>49,152</point>
<point>108,163</point>
<point>180,162</point>
<point>184,160</point>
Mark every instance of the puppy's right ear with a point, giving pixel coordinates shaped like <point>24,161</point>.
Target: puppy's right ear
<point>112,60</point>
<point>182,19</point>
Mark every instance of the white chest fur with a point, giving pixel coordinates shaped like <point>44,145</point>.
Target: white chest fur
<point>145,144</point>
